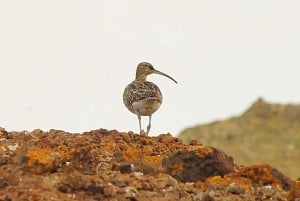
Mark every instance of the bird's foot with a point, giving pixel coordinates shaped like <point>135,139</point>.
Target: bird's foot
<point>143,133</point>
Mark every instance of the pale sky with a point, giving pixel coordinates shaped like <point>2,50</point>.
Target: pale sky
<point>64,64</point>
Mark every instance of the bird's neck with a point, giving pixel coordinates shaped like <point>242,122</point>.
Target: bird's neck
<point>141,77</point>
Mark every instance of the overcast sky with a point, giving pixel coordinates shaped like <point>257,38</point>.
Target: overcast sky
<point>64,64</point>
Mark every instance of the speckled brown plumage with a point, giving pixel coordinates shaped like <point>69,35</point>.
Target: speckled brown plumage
<point>140,91</point>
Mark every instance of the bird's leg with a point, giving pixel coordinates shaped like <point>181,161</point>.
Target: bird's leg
<point>140,124</point>
<point>149,125</point>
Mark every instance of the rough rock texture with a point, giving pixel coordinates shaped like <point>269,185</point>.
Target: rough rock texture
<point>108,165</point>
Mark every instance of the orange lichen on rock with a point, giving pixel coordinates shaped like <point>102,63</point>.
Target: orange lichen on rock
<point>131,154</point>
<point>244,183</point>
<point>65,152</point>
<point>264,175</point>
<point>147,150</point>
<point>218,181</point>
<point>258,173</point>
<point>153,159</point>
<point>203,151</point>
<point>38,156</point>
<point>108,165</point>
<point>295,192</point>
<point>200,184</point>
<point>40,161</point>
<point>110,145</point>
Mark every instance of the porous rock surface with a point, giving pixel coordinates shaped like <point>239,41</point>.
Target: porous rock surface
<point>110,165</point>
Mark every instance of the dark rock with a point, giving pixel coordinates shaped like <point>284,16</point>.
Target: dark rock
<point>126,168</point>
<point>190,166</point>
<point>3,133</point>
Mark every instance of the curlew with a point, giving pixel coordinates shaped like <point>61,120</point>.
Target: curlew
<point>141,97</point>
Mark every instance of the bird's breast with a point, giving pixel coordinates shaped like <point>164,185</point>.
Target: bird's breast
<point>146,107</point>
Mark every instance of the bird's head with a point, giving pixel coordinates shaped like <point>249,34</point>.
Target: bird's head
<point>145,68</point>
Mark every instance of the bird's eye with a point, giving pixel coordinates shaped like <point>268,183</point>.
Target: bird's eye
<point>151,67</point>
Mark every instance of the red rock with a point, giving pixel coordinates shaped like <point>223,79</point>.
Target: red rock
<point>295,192</point>
<point>265,175</point>
<point>109,191</point>
<point>57,165</point>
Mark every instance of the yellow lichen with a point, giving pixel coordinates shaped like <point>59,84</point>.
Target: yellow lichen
<point>152,159</point>
<point>41,160</point>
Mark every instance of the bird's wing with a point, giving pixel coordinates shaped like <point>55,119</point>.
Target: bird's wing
<point>137,91</point>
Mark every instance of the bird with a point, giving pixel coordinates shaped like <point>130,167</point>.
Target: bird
<point>142,97</point>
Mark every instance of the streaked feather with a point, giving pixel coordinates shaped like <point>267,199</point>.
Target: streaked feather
<point>138,91</point>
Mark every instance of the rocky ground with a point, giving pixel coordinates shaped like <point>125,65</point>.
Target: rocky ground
<point>108,165</point>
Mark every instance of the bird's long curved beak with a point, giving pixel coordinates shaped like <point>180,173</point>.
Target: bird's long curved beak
<point>161,73</point>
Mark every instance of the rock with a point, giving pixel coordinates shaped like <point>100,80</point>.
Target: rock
<point>265,175</point>
<point>127,168</point>
<point>109,191</point>
<point>129,193</point>
<point>235,189</point>
<point>195,142</point>
<point>39,160</point>
<point>190,166</point>
<point>294,194</point>
<point>3,133</point>
<point>84,161</point>
<point>97,165</point>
